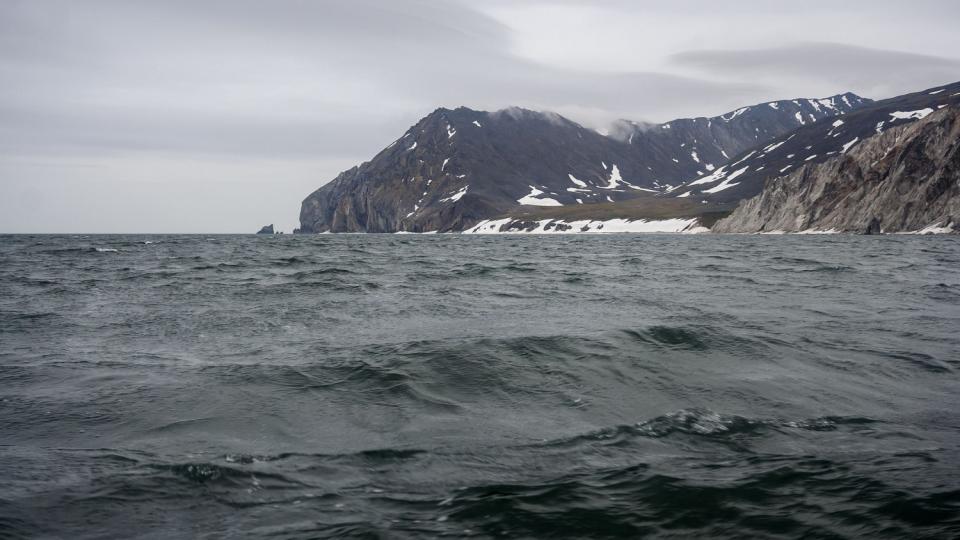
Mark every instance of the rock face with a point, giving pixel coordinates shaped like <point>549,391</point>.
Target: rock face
<point>693,147</point>
<point>745,174</point>
<point>905,179</point>
<point>266,229</point>
<point>455,168</point>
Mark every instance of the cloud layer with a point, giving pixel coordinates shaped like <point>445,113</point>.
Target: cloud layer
<point>245,106</point>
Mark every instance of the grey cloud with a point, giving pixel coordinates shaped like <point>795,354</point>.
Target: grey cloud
<point>327,79</point>
<point>314,84</point>
<point>873,72</point>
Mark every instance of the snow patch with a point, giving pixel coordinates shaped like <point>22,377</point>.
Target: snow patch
<point>727,182</point>
<point>615,178</point>
<point>819,231</point>
<point>744,159</point>
<point>717,175</point>
<point>773,147</point>
<point>904,115</point>
<point>576,181</point>
<point>936,228</point>
<point>616,225</point>
<point>735,114</point>
<point>531,199</point>
<point>456,196</point>
<point>849,145</point>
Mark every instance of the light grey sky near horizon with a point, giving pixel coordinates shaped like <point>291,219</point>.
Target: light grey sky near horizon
<point>222,115</point>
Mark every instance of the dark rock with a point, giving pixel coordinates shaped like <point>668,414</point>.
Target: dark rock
<point>907,178</point>
<point>266,229</point>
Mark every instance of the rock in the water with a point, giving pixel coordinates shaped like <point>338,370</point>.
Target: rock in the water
<point>906,179</point>
<point>266,229</point>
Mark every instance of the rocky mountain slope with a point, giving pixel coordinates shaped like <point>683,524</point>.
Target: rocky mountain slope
<point>744,175</point>
<point>456,168</point>
<point>903,179</point>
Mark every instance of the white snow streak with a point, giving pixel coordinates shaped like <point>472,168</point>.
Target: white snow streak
<point>456,196</point>
<point>532,200</point>
<point>576,181</point>
<point>617,225</point>
<point>727,183</point>
<point>735,114</point>
<point>919,115</point>
<point>849,145</point>
<point>615,178</point>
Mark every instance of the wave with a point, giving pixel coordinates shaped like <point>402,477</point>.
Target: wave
<point>708,424</point>
<point>672,337</point>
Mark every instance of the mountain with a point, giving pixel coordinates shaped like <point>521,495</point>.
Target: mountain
<point>904,179</point>
<point>745,174</point>
<point>457,168</point>
<point>691,147</point>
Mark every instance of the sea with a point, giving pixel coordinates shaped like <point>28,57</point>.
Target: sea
<point>524,386</point>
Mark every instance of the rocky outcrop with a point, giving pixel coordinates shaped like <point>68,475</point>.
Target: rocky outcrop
<point>266,229</point>
<point>905,179</point>
<point>744,175</point>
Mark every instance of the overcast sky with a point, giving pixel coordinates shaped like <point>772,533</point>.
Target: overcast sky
<point>222,115</point>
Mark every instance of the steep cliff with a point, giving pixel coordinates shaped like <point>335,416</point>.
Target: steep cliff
<point>904,179</point>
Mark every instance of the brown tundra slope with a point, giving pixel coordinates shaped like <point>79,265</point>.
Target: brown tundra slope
<point>905,179</point>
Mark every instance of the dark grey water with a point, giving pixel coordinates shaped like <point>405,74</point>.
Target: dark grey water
<point>399,386</point>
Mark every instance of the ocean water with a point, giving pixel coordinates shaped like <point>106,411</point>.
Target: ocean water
<point>385,386</point>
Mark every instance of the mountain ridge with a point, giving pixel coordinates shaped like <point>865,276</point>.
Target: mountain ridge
<point>747,172</point>
<point>457,167</point>
<point>904,179</point>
